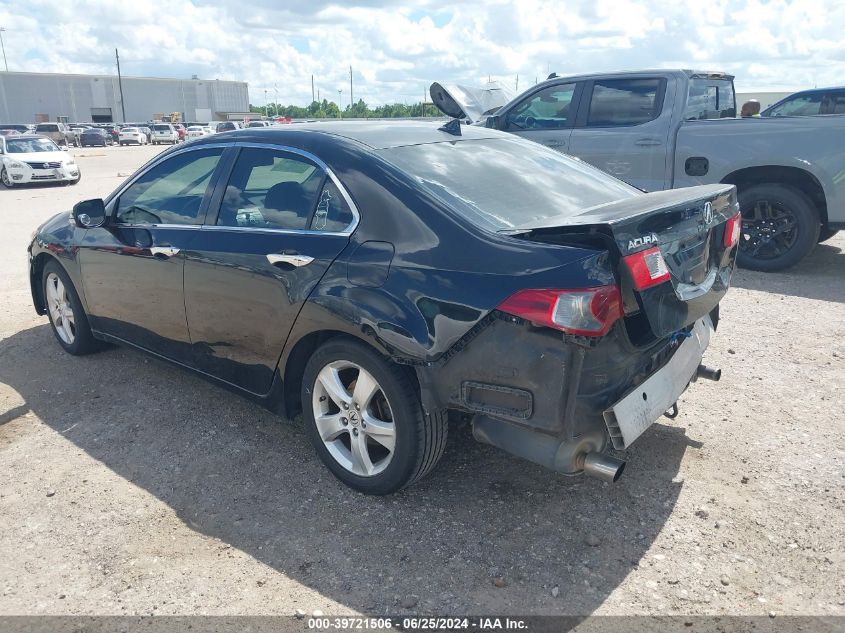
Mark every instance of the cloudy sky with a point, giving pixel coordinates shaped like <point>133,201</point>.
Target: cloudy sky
<point>397,48</point>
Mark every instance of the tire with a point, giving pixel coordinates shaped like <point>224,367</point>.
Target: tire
<point>766,210</point>
<point>825,234</point>
<point>6,179</point>
<point>73,335</point>
<point>394,407</point>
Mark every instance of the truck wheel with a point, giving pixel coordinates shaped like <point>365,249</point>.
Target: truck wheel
<point>364,417</point>
<point>825,234</point>
<point>780,226</point>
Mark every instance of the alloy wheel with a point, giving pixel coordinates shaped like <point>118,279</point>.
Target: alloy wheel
<point>353,418</point>
<point>61,311</point>
<point>769,230</point>
<point>7,179</point>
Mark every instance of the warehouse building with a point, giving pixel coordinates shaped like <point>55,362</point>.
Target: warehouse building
<point>38,97</point>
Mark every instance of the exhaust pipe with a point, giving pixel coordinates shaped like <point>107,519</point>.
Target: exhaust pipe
<point>603,467</point>
<point>708,373</point>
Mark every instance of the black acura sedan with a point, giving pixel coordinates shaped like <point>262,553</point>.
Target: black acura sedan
<point>382,279</point>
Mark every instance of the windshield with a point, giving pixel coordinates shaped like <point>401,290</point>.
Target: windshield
<point>502,184</point>
<point>710,99</point>
<point>30,145</point>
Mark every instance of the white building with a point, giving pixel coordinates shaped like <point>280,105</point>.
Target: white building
<point>32,97</point>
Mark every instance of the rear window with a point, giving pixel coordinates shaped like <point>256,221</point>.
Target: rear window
<point>47,128</point>
<point>162,128</point>
<point>710,99</point>
<point>504,184</point>
<point>617,102</point>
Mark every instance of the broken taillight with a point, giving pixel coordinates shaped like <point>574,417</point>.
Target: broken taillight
<point>585,311</point>
<point>648,268</point>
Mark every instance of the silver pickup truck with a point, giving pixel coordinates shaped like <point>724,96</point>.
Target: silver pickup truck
<point>666,129</point>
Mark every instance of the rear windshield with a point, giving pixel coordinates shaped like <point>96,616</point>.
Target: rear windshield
<point>503,184</point>
<point>47,128</point>
<point>130,129</point>
<point>710,99</point>
<point>162,128</point>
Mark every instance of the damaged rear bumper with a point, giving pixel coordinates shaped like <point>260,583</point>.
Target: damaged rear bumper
<point>560,401</point>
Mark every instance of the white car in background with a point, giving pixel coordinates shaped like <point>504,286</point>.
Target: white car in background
<point>28,158</point>
<point>196,131</point>
<point>132,135</point>
<point>165,133</point>
<point>208,130</point>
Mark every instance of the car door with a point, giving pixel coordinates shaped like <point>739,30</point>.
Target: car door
<point>132,267</point>
<point>623,128</point>
<point>281,220</point>
<point>545,115</point>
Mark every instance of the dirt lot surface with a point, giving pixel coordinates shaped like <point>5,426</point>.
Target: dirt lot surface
<point>131,487</point>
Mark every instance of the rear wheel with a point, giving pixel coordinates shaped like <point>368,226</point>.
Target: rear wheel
<point>363,416</point>
<point>780,226</point>
<point>67,318</point>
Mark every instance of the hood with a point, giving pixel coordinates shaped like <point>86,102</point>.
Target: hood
<point>472,104</point>
<point>39,157</point>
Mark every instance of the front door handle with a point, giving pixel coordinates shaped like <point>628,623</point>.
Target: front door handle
<point>292,259</point>
<point>554,144</point>
<point>164,251</point>
<point>648,141</point>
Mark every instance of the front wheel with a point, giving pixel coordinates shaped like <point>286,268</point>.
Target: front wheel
<point>67,318</point>
<point>780,226</point>
<point>363,416</point>
<point>6,179</point>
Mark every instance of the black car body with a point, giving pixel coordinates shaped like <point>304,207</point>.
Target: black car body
<point>94,136</point>
<point>815,102</point>
<point>534,327</point>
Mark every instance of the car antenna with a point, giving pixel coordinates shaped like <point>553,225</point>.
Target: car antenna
<point>453,127</point>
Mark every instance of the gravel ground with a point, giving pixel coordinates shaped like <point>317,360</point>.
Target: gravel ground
<point>131,487</point>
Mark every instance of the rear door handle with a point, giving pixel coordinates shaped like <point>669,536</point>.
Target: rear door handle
<point>554,144</point>
<point>164,251</point>
<point>648,141</point>
<point>293,259</point>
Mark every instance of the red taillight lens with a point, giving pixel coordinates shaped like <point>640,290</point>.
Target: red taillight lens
<point>648,268</point>
<point>587,311</point>
<point>733,229</point>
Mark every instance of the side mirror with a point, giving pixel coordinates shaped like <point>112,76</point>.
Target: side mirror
<point>494,121</point>
<point>90,214</point>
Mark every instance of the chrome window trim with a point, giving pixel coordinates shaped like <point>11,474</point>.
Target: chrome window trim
<point>356,216</point>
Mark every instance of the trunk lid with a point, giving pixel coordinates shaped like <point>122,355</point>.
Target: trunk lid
<point>687,225</point>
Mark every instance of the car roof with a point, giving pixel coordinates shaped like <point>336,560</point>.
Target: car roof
<point>373,134</point>
<point>812,91</point>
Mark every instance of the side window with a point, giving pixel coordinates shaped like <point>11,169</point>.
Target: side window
<point>270,189</point>
<point>833,103</point>
<point>805,105</point>
<point>332,213</point>
<point>624,102</point>
<point>171,192</point>
<point>549,109</point>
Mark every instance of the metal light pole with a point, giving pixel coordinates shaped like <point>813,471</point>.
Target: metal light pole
<point>3,46</point>
<point>265,103</point>
<point>339,109</point>
<point>120,86</point>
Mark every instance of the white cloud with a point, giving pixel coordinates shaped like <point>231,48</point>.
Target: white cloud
<point>397,49</point>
